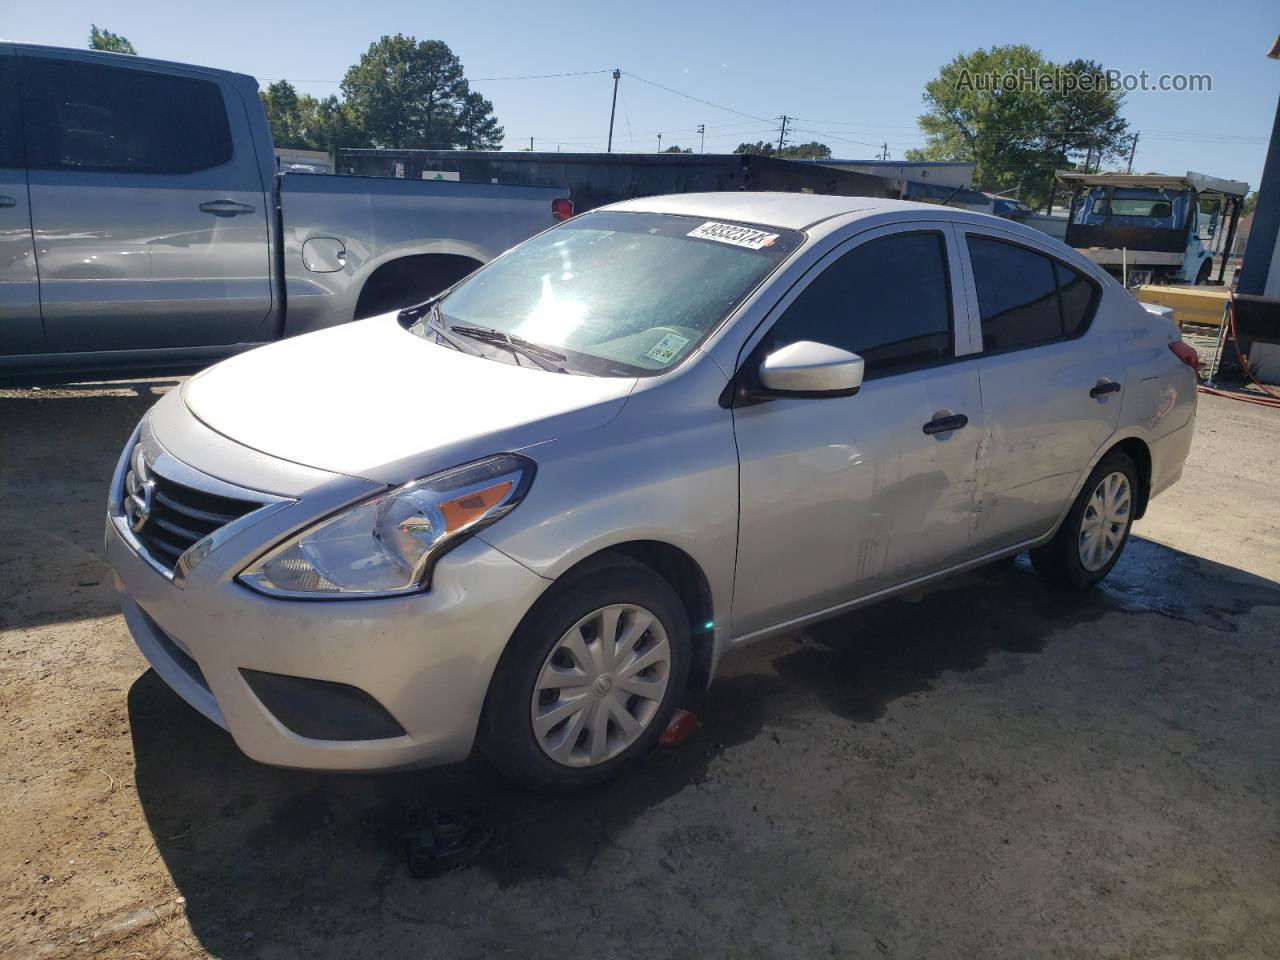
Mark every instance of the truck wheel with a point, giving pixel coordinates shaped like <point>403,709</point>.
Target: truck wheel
<point>1096,529</point>
<point>1206,271</point>
<point>589,680</point>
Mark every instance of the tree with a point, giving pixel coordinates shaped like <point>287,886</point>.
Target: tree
<point>280,100</point>
<point>305,123</point>
<point>477,127</point>
<point>791,151</point>
<point>1019,117</point>
<point>106,40</point>
<point>676,149</point>
<point>406,93</point>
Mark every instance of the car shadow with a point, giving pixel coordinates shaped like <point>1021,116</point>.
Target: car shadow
<point>304,857</point>
<point>58,448</point>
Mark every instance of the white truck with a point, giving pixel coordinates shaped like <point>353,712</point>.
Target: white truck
<point>145,226</point>
<point>1153,228</point>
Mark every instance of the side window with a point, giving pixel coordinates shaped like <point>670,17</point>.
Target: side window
<point>1026,298</point>
<point>84,116</point>
<point>10,122</point>
<point>1077,299</point>
<point>888,300</point>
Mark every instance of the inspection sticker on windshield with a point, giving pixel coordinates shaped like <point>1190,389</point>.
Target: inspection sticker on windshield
<point>665,350</point>
<point>747,237</point>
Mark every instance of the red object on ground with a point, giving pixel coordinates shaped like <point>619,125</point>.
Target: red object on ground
<point>681,727</point>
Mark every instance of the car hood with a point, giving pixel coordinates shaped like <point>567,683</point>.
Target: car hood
<point>369,399</point>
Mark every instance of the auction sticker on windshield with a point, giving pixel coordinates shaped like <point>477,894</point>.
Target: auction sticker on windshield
<point>747,237</point>
<point>664,350</point>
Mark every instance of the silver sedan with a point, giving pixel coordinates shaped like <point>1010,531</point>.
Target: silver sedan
<point>532,514</point>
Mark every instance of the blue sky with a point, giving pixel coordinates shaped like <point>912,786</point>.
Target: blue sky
<point>853,71</point>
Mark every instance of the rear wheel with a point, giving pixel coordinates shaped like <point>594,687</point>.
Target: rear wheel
<point>590,679</point>
<point>1205,272</point>
<point>1096,528</point>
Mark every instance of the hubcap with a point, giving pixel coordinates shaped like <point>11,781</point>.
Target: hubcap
<point>601,685</point>
<point>1105,521</point>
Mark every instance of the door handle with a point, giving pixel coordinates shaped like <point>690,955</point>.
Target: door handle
<point>225,208</point>
<point>1103,387</point>
<point>946,424</point>
<point>8,201</point>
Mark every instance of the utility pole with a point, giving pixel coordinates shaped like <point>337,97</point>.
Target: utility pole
<point>1133,148</point>
<point>884,155</point>
<point>659,143</point>
<point>702,132</point>
<point>782,134</point>
<point>531,144</point>
<point>617,75</point>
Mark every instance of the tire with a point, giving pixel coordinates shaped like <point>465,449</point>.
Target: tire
<point>590,743</point>
<point>1070,559</point>
<point>1204,273</point>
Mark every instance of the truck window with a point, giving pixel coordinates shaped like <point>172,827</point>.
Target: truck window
<point>10,124</point>
<point>85,116</point>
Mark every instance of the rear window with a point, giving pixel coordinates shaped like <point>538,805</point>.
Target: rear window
<point>86,116</point>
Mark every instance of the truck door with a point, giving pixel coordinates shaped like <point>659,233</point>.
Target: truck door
<point>147,205</point>
<point>20,330</point>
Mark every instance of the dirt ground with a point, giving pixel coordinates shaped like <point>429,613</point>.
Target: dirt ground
<point>997,770</point>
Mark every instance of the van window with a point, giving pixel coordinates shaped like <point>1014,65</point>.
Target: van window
<point>1026,298</point>
<point>86,116</point>
<point>887,300</point>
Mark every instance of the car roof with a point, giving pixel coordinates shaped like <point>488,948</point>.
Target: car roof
<point>794,211</point>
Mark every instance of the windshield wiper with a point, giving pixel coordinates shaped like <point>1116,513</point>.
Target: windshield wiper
<point>545,357</point>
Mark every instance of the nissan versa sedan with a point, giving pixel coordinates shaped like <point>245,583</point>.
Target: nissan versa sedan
<point>531,515</point>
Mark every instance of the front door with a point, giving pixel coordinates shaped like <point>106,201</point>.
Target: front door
<point>147,205</point>
<point>841,497</point>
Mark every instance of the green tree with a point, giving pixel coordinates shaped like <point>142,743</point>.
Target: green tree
<point>284,114</point>
<point>677,149</point>
<point>1018,132</point>
<point>477,127</point>
<point>791,151</point>
<point>302,122</point>
<point>106,40</point>
<point>328,124</point>
<point>406,93</point>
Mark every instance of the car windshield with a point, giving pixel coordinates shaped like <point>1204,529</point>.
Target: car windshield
<point>618,294</point>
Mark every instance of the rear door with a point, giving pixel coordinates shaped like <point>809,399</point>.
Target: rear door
<point>20,329</point>
<point>844,496</point>
<point>147,204</point>
<point>1051,384</point>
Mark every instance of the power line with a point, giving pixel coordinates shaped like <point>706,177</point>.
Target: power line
<point>689,96</point>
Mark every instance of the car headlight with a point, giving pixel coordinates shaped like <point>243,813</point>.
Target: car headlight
<point>386,545</point>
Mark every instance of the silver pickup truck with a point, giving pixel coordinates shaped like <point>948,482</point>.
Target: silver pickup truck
<point>144,227</point>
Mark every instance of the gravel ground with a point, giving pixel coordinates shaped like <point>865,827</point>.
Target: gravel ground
<point>996,770</point>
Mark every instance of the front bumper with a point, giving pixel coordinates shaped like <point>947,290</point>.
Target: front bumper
<point>425,659</point>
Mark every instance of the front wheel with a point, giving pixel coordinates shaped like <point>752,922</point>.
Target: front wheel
<point>1096,529</point>
<point>590,679</point>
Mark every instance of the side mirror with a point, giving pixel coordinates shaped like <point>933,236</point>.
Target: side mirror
<point>808,369</point>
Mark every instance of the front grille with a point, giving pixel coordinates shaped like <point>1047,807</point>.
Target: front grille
<point>168,517</point>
